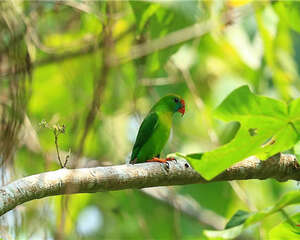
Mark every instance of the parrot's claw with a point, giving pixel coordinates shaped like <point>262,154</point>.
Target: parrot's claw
<point>171,159</point>
<point>161,160</point>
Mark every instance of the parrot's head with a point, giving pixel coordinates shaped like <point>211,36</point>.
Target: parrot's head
<point>172,103</point>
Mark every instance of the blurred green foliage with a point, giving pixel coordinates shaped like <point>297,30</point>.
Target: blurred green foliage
<point>243,219</point>
<point>286,229</point>
<point>256,44</point>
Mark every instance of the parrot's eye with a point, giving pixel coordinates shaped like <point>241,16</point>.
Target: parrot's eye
<point>176,100</point>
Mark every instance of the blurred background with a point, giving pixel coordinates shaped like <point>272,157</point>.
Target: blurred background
<point>97,67</point>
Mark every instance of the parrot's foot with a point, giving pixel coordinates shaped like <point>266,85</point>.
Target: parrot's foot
<point>171,159</point>
<point>155,159</point>
<point>161,160</point>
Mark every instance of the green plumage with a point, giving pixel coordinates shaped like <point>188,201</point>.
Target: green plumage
<point>155,130</point>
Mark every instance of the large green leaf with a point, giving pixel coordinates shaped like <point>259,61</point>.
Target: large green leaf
<point>242,219</point>
<point>268,126</point>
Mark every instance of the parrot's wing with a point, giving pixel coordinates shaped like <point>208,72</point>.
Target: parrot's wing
<point>146,130</point>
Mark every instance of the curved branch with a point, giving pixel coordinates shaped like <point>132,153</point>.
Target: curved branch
<point>187,205</point>
<point>281,167</point>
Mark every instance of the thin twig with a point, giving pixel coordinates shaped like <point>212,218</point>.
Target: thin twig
<point>199,102</point>
<point>56,146</point>
<point>242,195</point>
<point>169,40</point>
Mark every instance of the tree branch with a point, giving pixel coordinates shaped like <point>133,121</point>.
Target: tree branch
<point>187,205</point>
<point>281,167</point>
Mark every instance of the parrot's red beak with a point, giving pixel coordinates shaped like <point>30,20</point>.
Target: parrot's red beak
<point>182,109</point>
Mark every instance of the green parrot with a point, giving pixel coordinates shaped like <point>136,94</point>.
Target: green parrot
<point>155,130</point>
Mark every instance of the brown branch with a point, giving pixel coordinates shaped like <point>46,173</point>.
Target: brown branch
<point>180,36</point>
<point>89,48</point>
<point>281,167</point>
<point>140,50</point>
<point>100,82</point>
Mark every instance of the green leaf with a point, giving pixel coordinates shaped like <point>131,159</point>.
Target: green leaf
<point>268,126</point>
<point>237,219</point>
<point>224,234</point>
<point>143,11</point>
<point>287,230</point>
<point>288,199</point>
<point>242,219</point>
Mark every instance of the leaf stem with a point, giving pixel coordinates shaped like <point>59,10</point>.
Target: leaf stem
<point>295,129</point>
<point>288,219</point>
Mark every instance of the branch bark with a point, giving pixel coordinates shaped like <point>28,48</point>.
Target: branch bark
<point>281,167</point>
